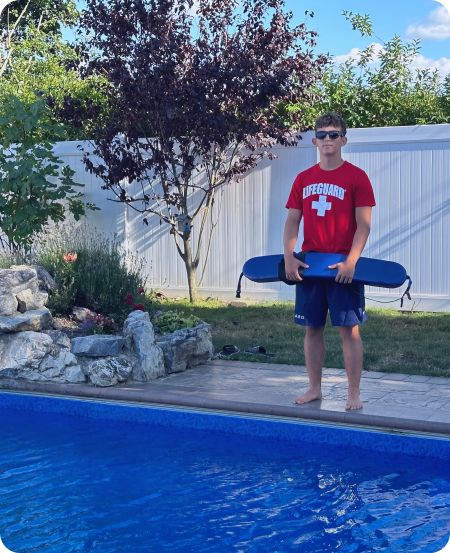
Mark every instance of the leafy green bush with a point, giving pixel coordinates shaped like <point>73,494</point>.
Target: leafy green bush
<point>98,277</point>
<point>171,321</point>
<point>35,185</point>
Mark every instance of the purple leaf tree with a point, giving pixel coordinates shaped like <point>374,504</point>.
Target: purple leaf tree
<point>191,90</point>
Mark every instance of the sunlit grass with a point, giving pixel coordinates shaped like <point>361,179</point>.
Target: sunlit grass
<point>394,341</point>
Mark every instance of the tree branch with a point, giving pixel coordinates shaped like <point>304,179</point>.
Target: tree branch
<point>8,40</point>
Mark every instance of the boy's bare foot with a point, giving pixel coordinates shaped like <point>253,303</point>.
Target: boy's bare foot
<point>353,401</point>
<point>310,395</point>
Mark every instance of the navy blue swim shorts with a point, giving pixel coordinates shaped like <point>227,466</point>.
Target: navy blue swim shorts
<point>315,298</point>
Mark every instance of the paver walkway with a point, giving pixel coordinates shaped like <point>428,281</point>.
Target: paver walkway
<point>397,402</point>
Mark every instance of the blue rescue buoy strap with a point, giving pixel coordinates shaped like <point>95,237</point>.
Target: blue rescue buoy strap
<point>407,294</point>
<point>238,291</point>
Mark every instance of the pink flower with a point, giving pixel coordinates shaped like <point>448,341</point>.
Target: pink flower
<point>139,307</point>
<point>129,301</point>
<point>129,296</point>
<point>141,291</point>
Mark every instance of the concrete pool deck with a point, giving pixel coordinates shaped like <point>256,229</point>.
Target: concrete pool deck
<point>395,402</point>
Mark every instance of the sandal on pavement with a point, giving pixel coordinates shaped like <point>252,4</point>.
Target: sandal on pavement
<point>260,350</point>
<point>227,351</point>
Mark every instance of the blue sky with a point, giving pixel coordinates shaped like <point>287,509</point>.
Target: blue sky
<point>424,19</point>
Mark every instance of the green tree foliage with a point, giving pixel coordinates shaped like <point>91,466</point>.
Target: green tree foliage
<point>21,13</point>
<point>30,193</point>
<point>387,94</point>
<point>34,57</point>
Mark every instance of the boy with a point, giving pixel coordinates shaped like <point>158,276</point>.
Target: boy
<point>335,198</point>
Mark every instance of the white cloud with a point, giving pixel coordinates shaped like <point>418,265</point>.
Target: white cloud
<point>420,62</point>
<point>442,65</point>
<point>355,54</point>
<point>435,26</point>
<point>194,10</point>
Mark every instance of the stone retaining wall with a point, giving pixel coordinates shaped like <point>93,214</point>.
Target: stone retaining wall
<point>31,349</point>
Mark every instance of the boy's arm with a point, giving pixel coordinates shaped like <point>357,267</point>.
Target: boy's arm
<point>290,236</point>
<point>291,231</point>
<point>346,269</point>
<point>363,216</point>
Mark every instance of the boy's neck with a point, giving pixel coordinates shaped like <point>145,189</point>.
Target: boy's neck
<point>330,163</point>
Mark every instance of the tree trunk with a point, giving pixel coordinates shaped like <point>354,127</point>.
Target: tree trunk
<point>193,289</point>
<point>190,268</point>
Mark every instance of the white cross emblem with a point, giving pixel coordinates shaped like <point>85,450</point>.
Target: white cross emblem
<point>322,206</point>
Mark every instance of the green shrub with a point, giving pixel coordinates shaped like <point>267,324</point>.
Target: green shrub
<point>35,185</point>
<point>171,321</point>
<point>99,278</point>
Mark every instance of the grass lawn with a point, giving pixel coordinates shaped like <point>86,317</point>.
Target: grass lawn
<point>394,341</point>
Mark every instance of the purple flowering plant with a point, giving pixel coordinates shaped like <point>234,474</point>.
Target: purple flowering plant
<point>98,324</point>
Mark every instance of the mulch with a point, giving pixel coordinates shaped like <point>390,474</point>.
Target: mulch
<point>70,327</point>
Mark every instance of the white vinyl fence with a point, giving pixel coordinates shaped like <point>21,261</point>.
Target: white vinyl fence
<point>409,168</point>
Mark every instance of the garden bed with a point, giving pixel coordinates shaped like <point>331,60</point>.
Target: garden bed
<point>66,324</point>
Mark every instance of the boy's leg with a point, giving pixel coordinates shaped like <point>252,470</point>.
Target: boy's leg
<point>347,311</point>
<point>314,354</point>
<point>353,359</point>
<point>311,310</point>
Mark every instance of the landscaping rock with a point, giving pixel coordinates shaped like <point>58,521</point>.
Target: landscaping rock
<point>27,301</point>
<point>146,357</point>
<point>59,338</point>
<point>18,278</point>
<point>186,347</point>
<point>109,371</point>
<point>8,304</point>
<point>74,375</point>
<point>57,326</point>
<point>158,314</point>
<point>40,319</point>
<point>32,356</point>
<point>58,360</point>
<point>97,345</point>
<point>45,280</point>
<point>80,313</point>
<point>41,297</point>
<point>23,351</point>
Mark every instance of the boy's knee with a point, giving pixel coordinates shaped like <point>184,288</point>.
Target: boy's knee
<point>313,331</point>
<point>349,332</point>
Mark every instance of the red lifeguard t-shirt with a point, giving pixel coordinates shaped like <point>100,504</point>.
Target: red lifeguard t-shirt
<point>328,200</point>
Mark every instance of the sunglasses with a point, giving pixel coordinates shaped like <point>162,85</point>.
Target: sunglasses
<point>332,134</point>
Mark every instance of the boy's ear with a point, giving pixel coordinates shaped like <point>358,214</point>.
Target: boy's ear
<point>344,140</point>
<point>314,141</point>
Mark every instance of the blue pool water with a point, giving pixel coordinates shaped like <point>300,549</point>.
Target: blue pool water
<point>89,484</point>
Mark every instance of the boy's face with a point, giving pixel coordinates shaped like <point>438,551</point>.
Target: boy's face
<point>329,146</point>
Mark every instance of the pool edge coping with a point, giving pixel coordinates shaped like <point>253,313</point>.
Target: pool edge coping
<point>197,401</point>
<point>237,414</point>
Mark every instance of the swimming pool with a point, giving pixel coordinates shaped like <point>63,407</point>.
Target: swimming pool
<point>82,476</point>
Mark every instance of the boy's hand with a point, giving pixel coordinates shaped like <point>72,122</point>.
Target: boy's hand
<point>291,267</point>
<point>346,271</point>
